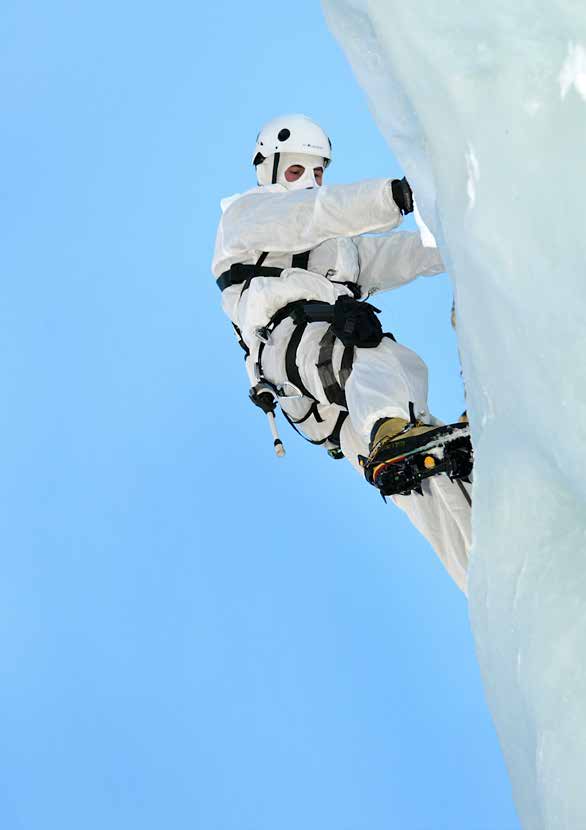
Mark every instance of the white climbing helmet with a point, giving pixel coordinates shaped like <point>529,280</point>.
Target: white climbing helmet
<point>292,134</point>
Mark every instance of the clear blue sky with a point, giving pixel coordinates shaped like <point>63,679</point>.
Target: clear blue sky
<point>194,634</point>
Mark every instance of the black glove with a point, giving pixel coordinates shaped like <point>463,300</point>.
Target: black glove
<point>403,195</point>
<point>356,324</point>
<point>263,399</point>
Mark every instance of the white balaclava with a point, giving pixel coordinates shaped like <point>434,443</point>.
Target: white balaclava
<point>286,160</point>
<point>307,179</point>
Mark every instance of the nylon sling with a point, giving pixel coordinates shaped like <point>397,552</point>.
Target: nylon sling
<point>334,389</point>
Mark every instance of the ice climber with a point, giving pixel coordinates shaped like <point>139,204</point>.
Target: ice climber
<point>294,261</point>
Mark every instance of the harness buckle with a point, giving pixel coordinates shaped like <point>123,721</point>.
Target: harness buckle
<point>264,334</point>
<point>283,391</point>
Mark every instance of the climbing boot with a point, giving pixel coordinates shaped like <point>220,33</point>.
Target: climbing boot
<point>403,453</point>
<point>391,439</point>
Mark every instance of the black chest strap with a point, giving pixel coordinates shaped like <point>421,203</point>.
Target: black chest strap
<point>300,260</point>
<point>238,274</point>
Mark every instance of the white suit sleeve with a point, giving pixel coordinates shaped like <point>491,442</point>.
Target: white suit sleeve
<point>386,262</point>
<point>295,221</point>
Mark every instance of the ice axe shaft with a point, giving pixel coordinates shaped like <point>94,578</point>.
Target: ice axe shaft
<point>278,444</point>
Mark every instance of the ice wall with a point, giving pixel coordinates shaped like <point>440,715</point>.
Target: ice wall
<point>484,104</point>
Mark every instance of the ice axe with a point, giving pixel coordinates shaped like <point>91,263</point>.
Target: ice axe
<point>265,397</point>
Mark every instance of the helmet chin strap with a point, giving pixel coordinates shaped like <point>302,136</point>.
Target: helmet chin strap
<point>276,158</point>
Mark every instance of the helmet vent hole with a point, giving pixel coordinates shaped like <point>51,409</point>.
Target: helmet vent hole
<point>284,134</point>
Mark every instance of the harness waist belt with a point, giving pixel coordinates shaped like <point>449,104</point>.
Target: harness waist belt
<point>301,312</point>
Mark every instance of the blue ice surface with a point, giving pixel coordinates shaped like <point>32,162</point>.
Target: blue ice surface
<point>485,108</point>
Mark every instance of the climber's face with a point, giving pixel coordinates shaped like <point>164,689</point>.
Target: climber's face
<point>296,171</point>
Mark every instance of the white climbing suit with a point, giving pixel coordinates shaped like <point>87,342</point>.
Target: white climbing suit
<point>329,222</point>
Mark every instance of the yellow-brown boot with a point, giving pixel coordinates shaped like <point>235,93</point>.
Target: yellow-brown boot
<point>403,453</point>
<point>391,439</point>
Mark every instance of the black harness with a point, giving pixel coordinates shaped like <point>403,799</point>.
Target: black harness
<point>238,273</point>
<point>347,319</point>
<point>303,312</point>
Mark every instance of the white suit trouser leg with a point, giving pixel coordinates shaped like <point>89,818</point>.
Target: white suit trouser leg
<point>383,383</point>
<point>442,515</point>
